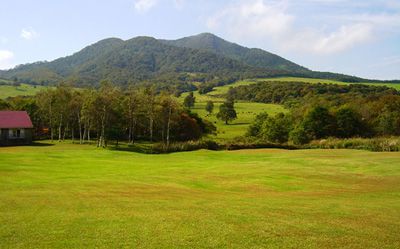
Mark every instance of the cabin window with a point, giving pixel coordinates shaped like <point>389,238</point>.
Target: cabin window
<point>15,133</point>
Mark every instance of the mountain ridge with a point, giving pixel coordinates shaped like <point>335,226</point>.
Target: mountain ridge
<point>144,58</point>
<point>251,56</point>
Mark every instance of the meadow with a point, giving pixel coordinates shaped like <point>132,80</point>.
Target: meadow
<point>22,90</point>
<point>246,111</point>
<point>323,81</point>
<point>77,196</point>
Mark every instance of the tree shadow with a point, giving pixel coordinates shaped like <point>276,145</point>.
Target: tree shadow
<point>41,144</point>
<point>240,123</point>
<point>139,148</point>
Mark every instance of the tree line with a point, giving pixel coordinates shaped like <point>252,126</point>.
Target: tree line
<point>318,111</point>
<point>109,113</point>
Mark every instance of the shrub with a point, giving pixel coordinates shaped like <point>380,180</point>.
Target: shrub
<point>372,144</point>
<point>299,136</point>
<point>276,129</point>
<point>185,146</point>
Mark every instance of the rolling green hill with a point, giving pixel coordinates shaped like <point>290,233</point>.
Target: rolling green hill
<point>224,89</point>
<point>147,59</point>
<point>253,57</point>
<point>125,62</point>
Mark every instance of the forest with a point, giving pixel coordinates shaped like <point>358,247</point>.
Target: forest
<point>319,111</point>
<point>158,115</point>
<point>109,113</point>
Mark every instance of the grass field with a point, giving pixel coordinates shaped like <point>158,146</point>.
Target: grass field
<point>72,196</point>
<point>22,90</point>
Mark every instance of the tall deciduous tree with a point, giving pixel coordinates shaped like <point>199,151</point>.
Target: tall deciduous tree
<point>227,112</point>
<point>169,107</point>
<point>46,100</point>
<point>209,107</point>
<point>132,105</point>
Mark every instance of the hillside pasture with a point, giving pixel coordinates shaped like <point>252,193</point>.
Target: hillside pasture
<point>21,90</point>
<point>77,196</point>
<point>246,112</point>
<point>322,81</point>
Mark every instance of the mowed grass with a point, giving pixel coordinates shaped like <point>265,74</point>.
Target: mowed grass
<point>72,196</point>
<point>22,90</point>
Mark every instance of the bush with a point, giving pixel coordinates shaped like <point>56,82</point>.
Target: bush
<point>251,143</point>
<point>372,144</point>
<point>319,123</point>
<point>185,146</point>
<point>276,129</point>
<point>299,136</point>
<point>349,123</point>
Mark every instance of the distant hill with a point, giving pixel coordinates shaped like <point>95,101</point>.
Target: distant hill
<point>124,62</point>
<point>253,57</point>
<point>145,59</point>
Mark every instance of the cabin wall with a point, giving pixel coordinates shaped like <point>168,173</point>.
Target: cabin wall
<point>3,134</point>
<point>7,139</point>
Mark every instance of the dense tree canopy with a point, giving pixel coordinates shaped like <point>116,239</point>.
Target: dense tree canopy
<point>109,113</point>
<point>319,111</point>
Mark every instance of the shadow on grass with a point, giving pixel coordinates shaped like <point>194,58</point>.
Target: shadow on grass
<point>240,123</point>
<point>138,148</point>
<point>41,144</point>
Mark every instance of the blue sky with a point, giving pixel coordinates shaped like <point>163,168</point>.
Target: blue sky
<point>354,37</point>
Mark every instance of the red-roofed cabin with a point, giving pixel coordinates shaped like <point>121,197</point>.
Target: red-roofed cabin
<point>15,128</point>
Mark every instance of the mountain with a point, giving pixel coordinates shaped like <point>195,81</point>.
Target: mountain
<point>124,62</point>
<point>251,56</point>
<point>169,61</point>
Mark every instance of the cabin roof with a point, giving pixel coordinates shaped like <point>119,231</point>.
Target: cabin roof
<point>15,119</point>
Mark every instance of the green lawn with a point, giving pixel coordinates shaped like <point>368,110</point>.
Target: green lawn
<point>23,90</point>
<point>72,196</point>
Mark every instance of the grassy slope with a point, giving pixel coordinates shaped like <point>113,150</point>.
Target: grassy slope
<point>24,90</point>
<point>308,80</point>
<point>71,196</point>
<point>246,112</point>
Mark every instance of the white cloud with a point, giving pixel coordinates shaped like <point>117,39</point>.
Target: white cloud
<point>29,34</point>
<point>253,18</point>
<point>5,59</point>
<point>269,21</point>
<point>144,5</point>
<point>319,42</point>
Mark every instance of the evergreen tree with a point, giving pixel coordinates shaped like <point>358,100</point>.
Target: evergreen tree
<point>189,100</point>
